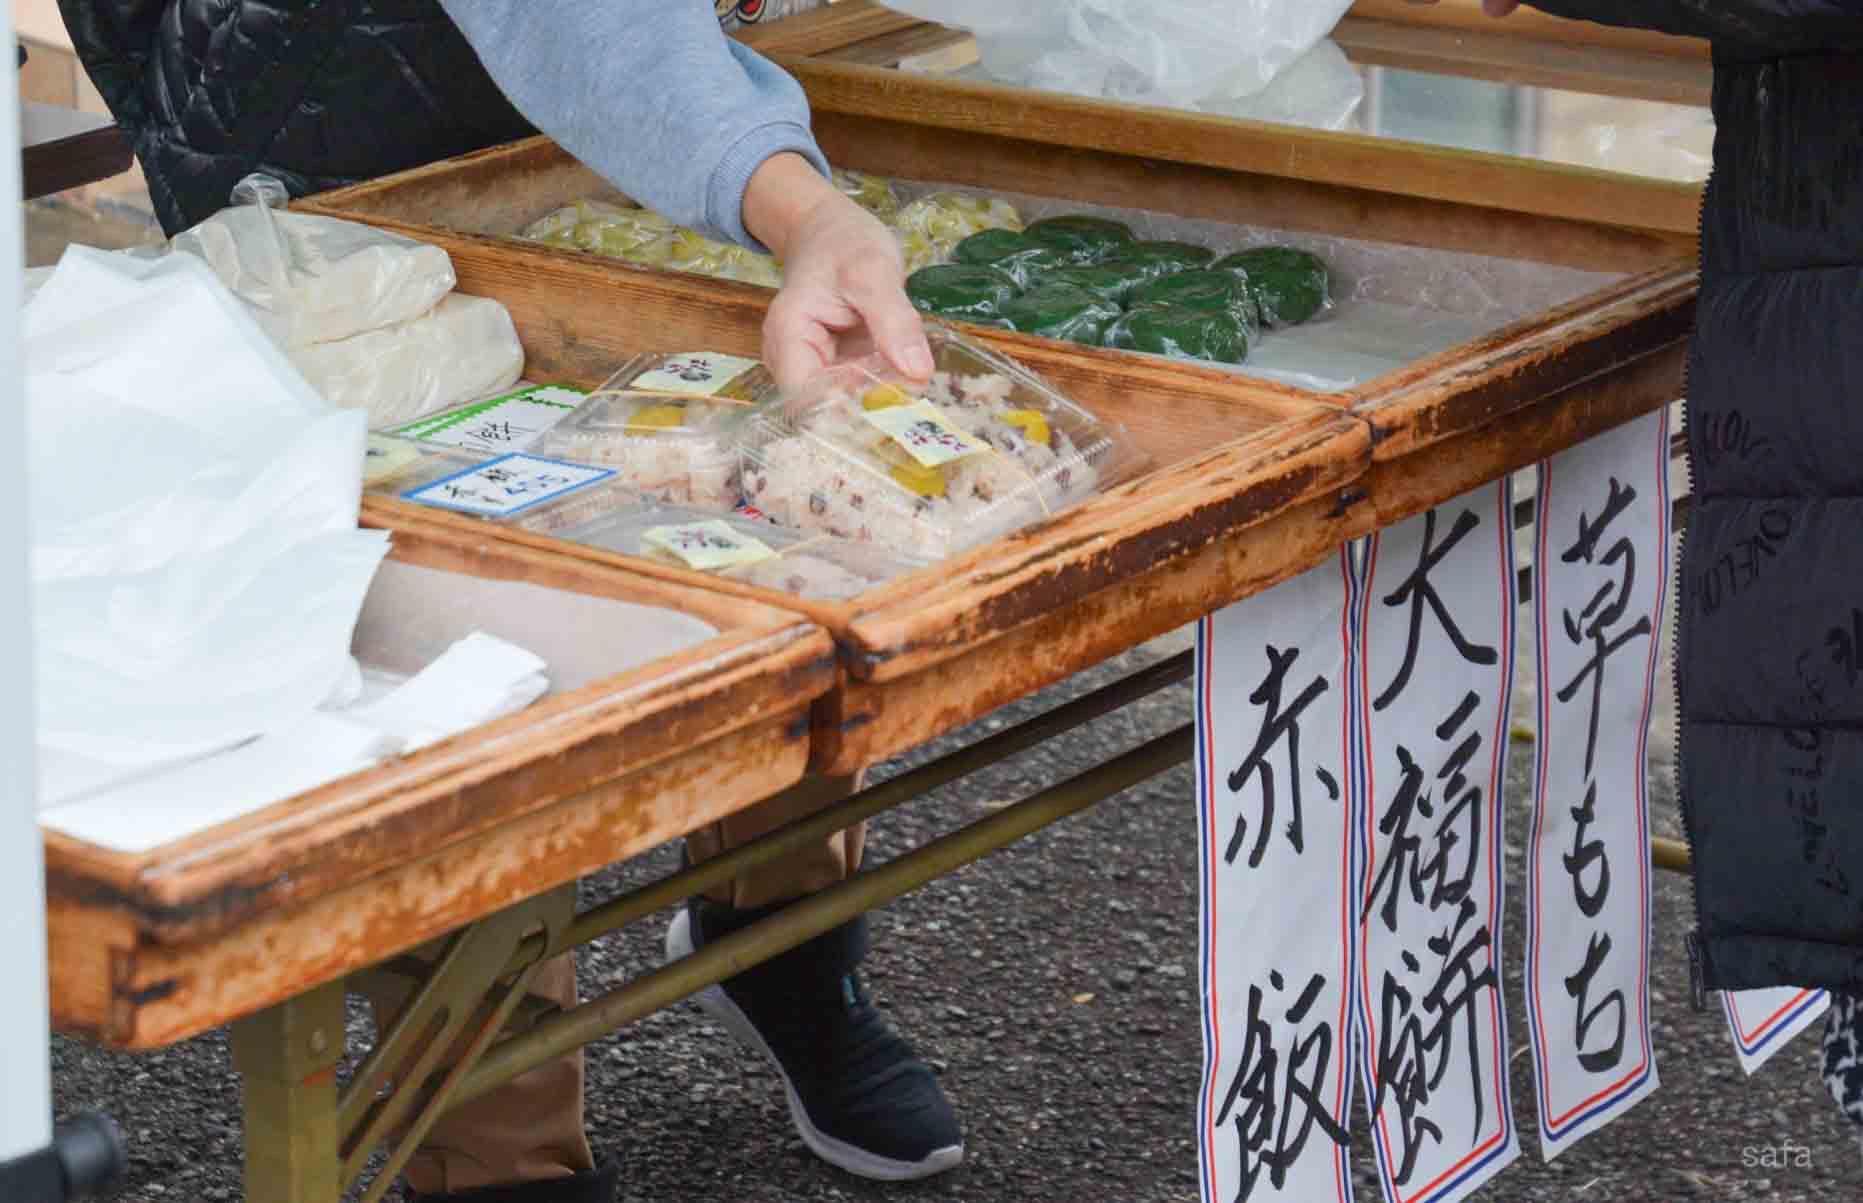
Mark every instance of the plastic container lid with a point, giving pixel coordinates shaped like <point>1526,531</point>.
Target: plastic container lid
<point>664,424</point>
<point>524,489</point>
<point>742,547</point>
<point>928,469</point>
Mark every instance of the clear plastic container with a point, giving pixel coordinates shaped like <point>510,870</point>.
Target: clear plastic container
<point>524,489</point>
<point>928,469</point>
<point>741,547</point>
<point>664,424</point>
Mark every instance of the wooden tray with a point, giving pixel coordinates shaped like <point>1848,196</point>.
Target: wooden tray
<point>151,948</point>
<point>1255,482</point>
<point>1452,37</point>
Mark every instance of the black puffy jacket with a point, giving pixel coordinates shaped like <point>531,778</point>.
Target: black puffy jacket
<point>1770,652</point>
<point>316,92</point>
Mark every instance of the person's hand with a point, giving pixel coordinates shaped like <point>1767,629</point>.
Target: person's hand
<point>1494,8</point>
<point>843,278</point>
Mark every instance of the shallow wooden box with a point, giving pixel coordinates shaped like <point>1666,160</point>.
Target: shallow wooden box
<point>1449,37</point>
<point>1254,481</point>
<point>150,948</point>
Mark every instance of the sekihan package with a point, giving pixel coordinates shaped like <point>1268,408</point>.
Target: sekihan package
<point>664,423</point>
<point>927,468</point>
<point>751,550</point>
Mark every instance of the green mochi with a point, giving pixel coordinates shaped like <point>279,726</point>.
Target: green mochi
<point>1289,285</point>
<point>1154,259</point>
<point>1206,291</point>
<point>1087,239</point>
<point>1062,311</point>
<point>960,290</point>
<point>1017,256</point>
<point>1216,336</point>
<point>1102,280</point>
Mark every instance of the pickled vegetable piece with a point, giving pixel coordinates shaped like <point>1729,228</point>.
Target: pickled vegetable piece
<point>960,290</point>
<point>1218,336</point>
<point>1031,422</point>
<point>1105,281</point>
<point>930,228</point>
<point>1014,254</point>
<point>657,417</point>
<point>1208,291</point>
<point>1088,239</point>
<point>885,396</point>
<point>1289,285</point>
<point>1154,259</point>
<point>1060,311</point>
<point>870,192</point>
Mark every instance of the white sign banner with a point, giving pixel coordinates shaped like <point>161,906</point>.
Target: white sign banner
<point>1277,915</point>
<point>1764,1021</point>
<point>1601,570</point>
<point>1438,668</point>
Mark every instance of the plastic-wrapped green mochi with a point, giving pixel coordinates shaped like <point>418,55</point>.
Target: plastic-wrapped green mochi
<point>960,290</point>
<point>1217,336</point>
<point>1208,291</point>
<point>1087,239</point>
<point>1289,285</point>
<point>1108,282</point>
<point>1014,254</point>
<point>1061,311</point>
<point>1156,259</point>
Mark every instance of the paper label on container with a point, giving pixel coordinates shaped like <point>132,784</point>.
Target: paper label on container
<point>509,423</point>
<point>696,374</point>
<point>707,546</point>
<point>507,486</point>
<point>925,433</point>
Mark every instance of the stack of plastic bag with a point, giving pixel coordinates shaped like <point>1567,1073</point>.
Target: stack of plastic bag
<point>1263,59</point>
<point>197,568</point>
<point>369,318</point>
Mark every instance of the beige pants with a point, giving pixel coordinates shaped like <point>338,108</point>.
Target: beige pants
<point>531,1129</point>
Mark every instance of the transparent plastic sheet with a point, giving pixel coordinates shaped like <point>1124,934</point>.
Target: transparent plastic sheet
<point>314,279</point>
<point>464,348</point>
<point>928,469</point>
<point>1172,52</point>
<point>1390,306</point>
<point>664,424</point>
<point>742,548</point>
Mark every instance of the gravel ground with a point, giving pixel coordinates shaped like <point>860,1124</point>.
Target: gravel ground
<point>1055,986</point>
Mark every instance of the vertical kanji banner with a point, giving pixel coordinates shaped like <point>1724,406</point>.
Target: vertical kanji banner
<point>1764,1021</point>
<point>1277,919</point>
<point>1601,572</point>
<point>1437,678</point>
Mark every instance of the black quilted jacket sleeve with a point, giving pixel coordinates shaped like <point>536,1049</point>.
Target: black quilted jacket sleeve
<point>1738,28</point>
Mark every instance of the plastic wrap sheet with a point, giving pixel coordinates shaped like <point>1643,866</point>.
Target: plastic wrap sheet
<point>463,349</point>
<point>1391,305</point>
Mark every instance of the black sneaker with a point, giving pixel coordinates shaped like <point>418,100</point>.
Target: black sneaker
<point>860,1097</point>
<point>595,1186</point>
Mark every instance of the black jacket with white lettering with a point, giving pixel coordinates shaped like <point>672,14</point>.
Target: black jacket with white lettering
<point>1770,654</point>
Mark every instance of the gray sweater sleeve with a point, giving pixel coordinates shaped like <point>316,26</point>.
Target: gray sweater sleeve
<point>650,94</point>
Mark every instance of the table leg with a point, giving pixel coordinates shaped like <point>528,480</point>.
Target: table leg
<point>287,1058</point>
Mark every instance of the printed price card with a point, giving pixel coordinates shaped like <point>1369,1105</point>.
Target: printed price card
<point>924,432</point>
<point>697,374</point>
<point>507,486</point>
<point>707,546</point>
<point>512,422</point>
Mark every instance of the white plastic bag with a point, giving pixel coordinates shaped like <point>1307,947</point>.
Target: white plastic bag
<point>1182,53</point>
<point>197,570</point>
<point>314,279</point>
<point>465,349</point>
